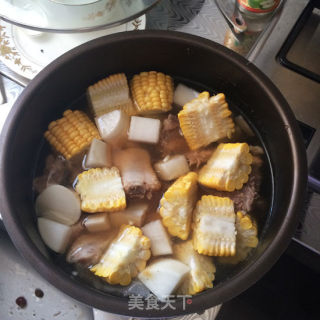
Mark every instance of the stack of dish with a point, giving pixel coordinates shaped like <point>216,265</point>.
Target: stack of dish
<point>33,33</point>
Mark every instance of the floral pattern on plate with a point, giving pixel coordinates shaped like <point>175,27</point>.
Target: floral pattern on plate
<point>20,49</point>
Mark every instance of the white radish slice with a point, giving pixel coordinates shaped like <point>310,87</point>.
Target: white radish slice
<point>144,129</point>
<point>163,276</point>
<point>132,215</point>
<point>172,167</point>
<point>58,203</point>
<point>113,126</point>
<point>183,94</point>
<point>160,241</point>
<point>99,155</point>
<point>97,222</point>
<point>54,234</point>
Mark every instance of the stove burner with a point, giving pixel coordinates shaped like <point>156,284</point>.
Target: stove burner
<point>308,22</point>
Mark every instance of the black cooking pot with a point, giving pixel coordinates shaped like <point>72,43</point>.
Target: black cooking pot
<point>183,56</point>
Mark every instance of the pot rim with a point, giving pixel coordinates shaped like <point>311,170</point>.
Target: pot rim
<point>209,298</point>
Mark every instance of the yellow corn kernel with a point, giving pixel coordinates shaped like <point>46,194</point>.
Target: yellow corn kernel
<point>246,239</point>
<point>214,232</point>
<point>177,205</point>
<point>101,190</point>
<point>72,133</point>
<point>202,269</point>
<point>152,92</point>
<point>228,168</point>
<point>126,256</point>
<point>204,120</point>
<point>111,93</point>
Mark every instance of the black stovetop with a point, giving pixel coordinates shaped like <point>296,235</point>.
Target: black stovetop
<point>290,290</point>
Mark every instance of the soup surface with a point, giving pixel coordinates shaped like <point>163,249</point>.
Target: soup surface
<point>151,184</point>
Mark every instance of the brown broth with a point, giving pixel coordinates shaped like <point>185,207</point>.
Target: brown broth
<point>260,209</point>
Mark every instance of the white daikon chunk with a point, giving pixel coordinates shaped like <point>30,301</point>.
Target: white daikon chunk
<point>160,240</point>
<point>58,203</point>
<point>183,94</point>
<point>134,215</point>
<point>99,155</point>
<point>54,234</point>
<point>113,126</point>
<point>163,276</point>
<point>97,222</point>
<point>144,129</point>
<point>171,167</point>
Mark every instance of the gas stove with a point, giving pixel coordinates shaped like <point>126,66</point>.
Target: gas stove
<point>285,50</point>
<point>288,55</point>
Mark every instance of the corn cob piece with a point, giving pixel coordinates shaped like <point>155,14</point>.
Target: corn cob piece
<point>126,256</point>
<point>152,92</point>
<point>101,190</point>
<point>202,269</point>
<point>204,120</point>
<point>228,168</point>
<point>177,205</point>
<point>246,239</point>
<point>72,133</point>
<point>214,232</point>
<point>111,93</point>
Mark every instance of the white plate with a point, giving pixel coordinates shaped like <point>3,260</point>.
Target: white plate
<point>27,52</point>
